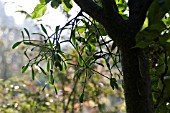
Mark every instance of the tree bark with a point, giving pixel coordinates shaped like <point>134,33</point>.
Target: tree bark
<point>137,84</point>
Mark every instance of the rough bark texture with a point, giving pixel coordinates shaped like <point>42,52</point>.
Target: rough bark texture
<point>137,88</point>
<point>134,62</point>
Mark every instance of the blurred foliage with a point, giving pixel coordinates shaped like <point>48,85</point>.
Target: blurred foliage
<point>21,95</point>
<point>154,37</point>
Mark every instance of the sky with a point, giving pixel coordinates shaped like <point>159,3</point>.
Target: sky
<point>52,17</point>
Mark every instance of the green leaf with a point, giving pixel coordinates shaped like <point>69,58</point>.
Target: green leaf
<point>99,64</point>
<point>44,87</point>
<point>62,54</point>
<point>156,11</point>
<point>16,44</point>
<point>51,44</point>
<point>81,98</point>
<point>39,34</point>
<point>64,67</point>
<point>56,30</point>
<point>107,62</point>
<point>157,28</point>
<point>51,79</point>
<point>29,43</point>
<point>39,11</point>
<point>123,84</point>
<point>56,92</point>
<point>42,70</point>
<point>81,29</point>
<point>67,5</point>
<point>55,3</point>
<point>27,32</point>
<point>113,83</point>
<point>80,61</point>
<point>76,73</point>
<point>48,66</point>
<point>24,68</point>
<point>58,46</point>
<point>77,46</point>
<point>33,74</point>
<point>22,33</point>
<point>81,39</point>
<point>57,58</point>
<point>25,53</point>
<point>168,40</point>
<point>57,64</point>
<point>44,2</point>
<point>25,13</point>
<point>73,39</point>
<point>44,30</point>
<point>143,44</point>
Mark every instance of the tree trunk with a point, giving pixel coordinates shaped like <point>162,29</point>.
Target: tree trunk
<point>137,84</point>
<point>135,63</point>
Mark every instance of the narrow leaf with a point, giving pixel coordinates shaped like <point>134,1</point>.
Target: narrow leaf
<point>81,98</point>
<point>24,68</point>
<point>27,32</point>
<point>51,44</point>
<point>80,61</point>
<point>73,38</point>
<point>99,64</point>
<point>56,30</point>
<point>76,73</point>
<point>33,74</point>
<point>64,66</point>
<point>48,66</point>
<point>16,44</point>
<point>56,92</point>
<point>29,43</point>
<point>62,54</point>
<point>57,64</point>
<point>51,79</point>
<point>113,83</point>
<point>22,34</point>
<point>43,88</point>
<point>39,34</point>
<point>42,70</point>
<point>25,53</point>
<point>67,5</point>
<point>44,30</point>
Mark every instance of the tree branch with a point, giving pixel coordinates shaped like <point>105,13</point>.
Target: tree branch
<point>92,9</point>
<point>109,6</point>
<point>106,15</point>
<point>137,12</point>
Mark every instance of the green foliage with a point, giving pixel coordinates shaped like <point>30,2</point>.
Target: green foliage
<point>55,3</point>
<point>86,41</point>
<point>41,8</point>
<point>113,83</point>
<point>44,1</point>
<point>21,95</point>
<point>67,5</point>
<point>81,97</point>
<point>39,11</point>
<point>16,44</point>
<point>24,68</point>
<point>154,38</point>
